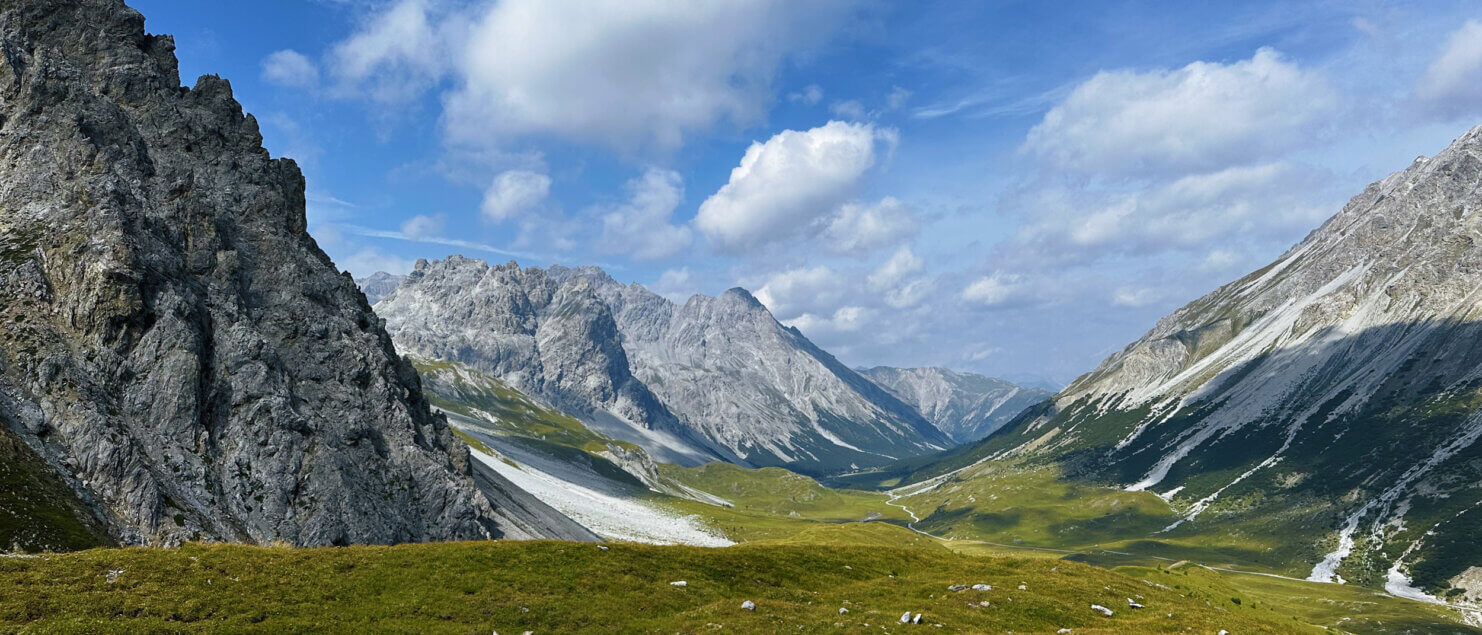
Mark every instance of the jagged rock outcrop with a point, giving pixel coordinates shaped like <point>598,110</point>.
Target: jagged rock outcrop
<point>176,350</point>
<point>712,378</point>
<point>966,406</point>
<point>1328,401</point>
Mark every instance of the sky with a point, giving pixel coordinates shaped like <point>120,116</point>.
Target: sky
<point>1012,188</point>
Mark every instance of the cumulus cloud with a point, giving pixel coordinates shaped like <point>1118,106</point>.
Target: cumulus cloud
<point>1451,87</point>
<point>862,229</point>
<point>789,183</point>
<point>793,292</point>
<point>625,73</point>
<point>676,284</point>
<point>995,291</point>
<point>289,68</point>
<point>901,280</point>
<point>1203,116</point>
<point>513,192</point>
<point>398,54</point>
<point>643,226</point>
<point>848,319</point>
<point>1188,213</point>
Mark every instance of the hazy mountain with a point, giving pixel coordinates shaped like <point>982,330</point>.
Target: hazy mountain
<point>1329,400</point>
<point>712,378</point>
<point>378,284</point>
<point>180,361</point>
<point>966,406</point>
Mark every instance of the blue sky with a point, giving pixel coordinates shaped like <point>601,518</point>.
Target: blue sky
<point>1014,188</point>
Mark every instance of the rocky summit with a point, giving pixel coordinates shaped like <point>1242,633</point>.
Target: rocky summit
<point>178,359</point>
<point>1328,400</point>
<point>713,378</point>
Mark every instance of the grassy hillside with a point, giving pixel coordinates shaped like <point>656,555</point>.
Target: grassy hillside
<point>565,587</point>
<point>773,503</point>
<point>38,512</point>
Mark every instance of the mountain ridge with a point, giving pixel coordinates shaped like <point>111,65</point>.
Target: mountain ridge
<point>717,373</point>
<point>1329,399</point>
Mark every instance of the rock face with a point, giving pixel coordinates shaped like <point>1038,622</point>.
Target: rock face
<point>966,406</point>
<point>1331,396</point>
<point>177,352</point>
<point>714,378</point>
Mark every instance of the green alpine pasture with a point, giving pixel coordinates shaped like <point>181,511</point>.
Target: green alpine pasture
<point>556,587</point>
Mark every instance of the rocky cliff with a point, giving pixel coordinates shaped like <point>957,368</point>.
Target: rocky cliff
<point>177,356</point>
<point>966,406</point>
<point>712,378</point>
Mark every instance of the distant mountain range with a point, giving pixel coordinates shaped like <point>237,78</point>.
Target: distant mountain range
<point>966,406</point>
<point>716,378</point>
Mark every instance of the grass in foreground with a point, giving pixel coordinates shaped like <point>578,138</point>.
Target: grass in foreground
<point>564,587</point>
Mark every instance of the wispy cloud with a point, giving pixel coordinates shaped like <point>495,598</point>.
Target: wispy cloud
<point>996,103</point>
<point>439,240</point>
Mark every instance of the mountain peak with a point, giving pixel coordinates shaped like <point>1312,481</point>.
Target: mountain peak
<point>200,385</point>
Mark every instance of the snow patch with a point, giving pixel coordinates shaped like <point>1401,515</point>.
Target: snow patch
<point>611,517</point>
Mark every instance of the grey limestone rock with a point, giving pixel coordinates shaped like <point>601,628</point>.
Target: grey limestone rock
<point>175,345</point>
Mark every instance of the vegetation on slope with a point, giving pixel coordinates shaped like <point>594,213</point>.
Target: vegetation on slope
<point>568,587</point>
<point>497,408</point>
<point>772,503</point>
<point>38,512</point>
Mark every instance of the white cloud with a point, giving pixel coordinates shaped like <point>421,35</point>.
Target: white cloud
<point>289,68</point>
<point>643,227</point>
<point>994,291</point>
<point>422,227</point>
<point>369,260</point>
<point>809,96</point>
<point>899,267</point>
<point>1200,117</point>
<point>1136,297</point>
<point>1220,260</point>
<point>848,319</point>
<point>513,192</point>
<point>788,183</point>
<point>900,281</point>
<point>1189,213</point>
<point>627,73</point>
<point>850,109</point>
<point>1452,85</point>
<point>398,54</point>
<point>676,284</point>
<point>793,292</point>
<point>861,229</point>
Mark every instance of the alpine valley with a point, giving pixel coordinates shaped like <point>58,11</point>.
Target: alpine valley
<point>209,426</point>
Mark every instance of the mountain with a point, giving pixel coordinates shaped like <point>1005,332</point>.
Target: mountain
<point>180,361</point>
<point>714,378</point>
<point>377,285</point>
<point>1329,404</point>
<point>966,406</point>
